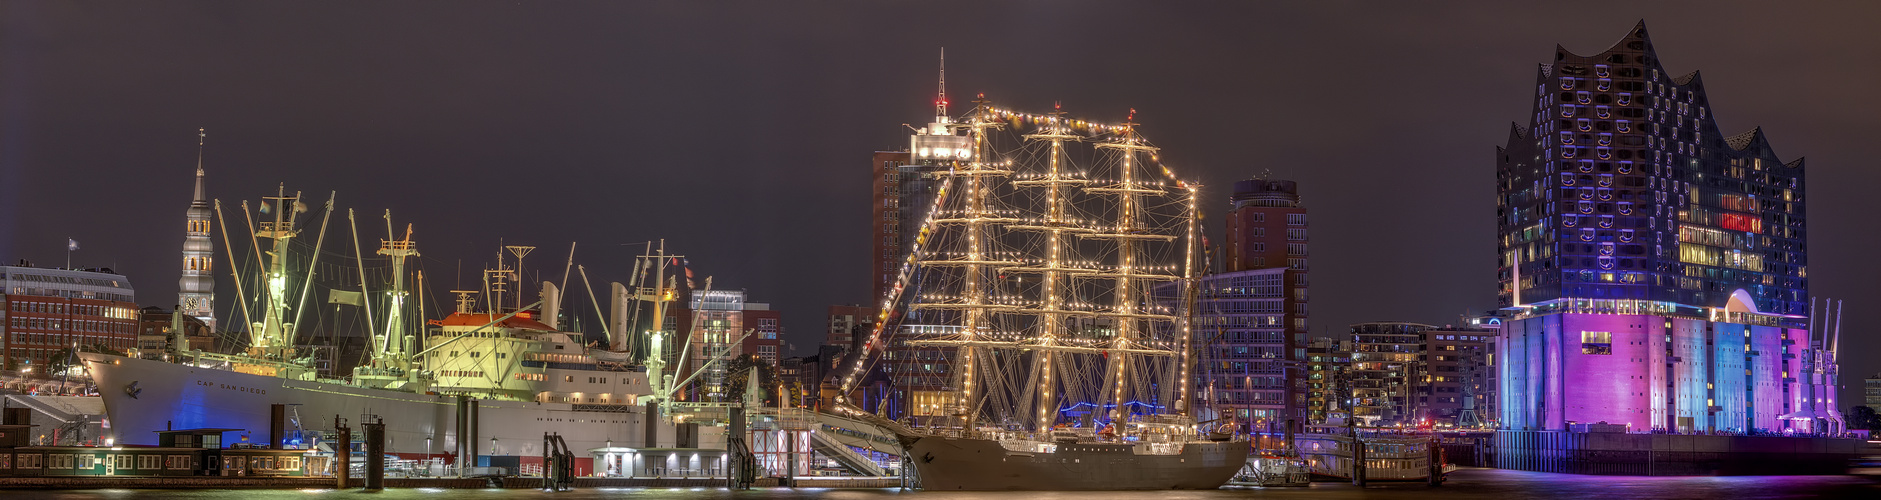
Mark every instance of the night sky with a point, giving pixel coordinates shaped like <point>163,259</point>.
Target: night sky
<point>741,133</point>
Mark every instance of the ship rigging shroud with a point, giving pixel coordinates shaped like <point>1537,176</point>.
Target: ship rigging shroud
<point>1046,275</point>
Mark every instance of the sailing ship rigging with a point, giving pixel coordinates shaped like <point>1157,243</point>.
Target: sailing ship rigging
<point>1050,274</point>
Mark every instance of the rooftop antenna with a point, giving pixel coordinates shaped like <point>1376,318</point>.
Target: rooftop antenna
<point>940,102</point>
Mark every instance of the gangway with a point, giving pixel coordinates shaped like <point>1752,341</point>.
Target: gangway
<point>823,443</point>
<point>858,433</point>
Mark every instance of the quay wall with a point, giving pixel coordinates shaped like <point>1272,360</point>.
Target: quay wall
<point>1624,454</point>
<point>224,482</point>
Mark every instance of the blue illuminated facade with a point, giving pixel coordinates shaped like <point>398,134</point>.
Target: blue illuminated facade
<point>1652,270</point>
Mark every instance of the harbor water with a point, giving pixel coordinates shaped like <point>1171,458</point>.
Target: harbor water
<point>1464,484</point>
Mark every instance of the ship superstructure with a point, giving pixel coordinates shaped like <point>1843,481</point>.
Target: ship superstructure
<point>1036,278</point>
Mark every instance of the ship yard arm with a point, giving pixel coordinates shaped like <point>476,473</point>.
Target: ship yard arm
<point>1042,347</point>
<point>366,301</point>
<point>605,329</point>
<point>234,270</point>
<point>307,286</point>
<point>702,367</point>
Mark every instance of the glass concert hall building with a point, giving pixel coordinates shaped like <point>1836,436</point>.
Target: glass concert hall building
<point>1653,270</point>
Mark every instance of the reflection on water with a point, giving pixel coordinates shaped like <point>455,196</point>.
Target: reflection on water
<point>1467,483</point>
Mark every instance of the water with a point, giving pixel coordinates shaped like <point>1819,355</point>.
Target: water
<point>1464,484</point>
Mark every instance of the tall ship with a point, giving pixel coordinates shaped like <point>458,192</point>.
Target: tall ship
<point>1042,312</point>
<point>490,377</point>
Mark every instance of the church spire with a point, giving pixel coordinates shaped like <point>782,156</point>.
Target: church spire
<point>196,289</point>
<point>201,198</point>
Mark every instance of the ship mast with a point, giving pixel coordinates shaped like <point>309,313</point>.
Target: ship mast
<point>975,218</point>
<point>1021,351</point>
<point>1192,287</point>
<point>395,348</point>
<point>1056,224</point>
<point>1126,232</point>
<point>659,294</point>
<point>270,337</point>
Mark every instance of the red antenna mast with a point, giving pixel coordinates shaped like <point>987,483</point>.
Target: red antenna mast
<point>940,103</point>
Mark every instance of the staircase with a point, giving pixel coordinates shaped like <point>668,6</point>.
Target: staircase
<point>856,462</point>
<point>54,412</point>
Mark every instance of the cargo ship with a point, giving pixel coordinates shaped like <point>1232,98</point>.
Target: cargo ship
<point>474,382</point>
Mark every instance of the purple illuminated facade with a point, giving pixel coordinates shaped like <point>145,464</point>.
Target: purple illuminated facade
<point>1652,269</point>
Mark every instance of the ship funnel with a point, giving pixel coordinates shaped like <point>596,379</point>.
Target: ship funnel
<point>551,305</point>
<point>618,303</point>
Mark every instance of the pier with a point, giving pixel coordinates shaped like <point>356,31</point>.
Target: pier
<point>218,482</point>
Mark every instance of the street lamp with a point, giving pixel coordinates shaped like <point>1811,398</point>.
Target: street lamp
<point>493,446</point>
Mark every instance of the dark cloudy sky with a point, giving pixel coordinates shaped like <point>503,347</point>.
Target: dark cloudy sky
<point>740,132</point>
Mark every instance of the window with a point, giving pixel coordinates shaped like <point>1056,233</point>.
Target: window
<point>1296,234</point>
<point>1296,219</point>
<point>1296,249</point>
<point>1597,343</point>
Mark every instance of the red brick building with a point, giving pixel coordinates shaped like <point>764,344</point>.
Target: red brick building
<point>886,221</point>
<point>848,323</point>
<point>764,324</point>
<point>48,310</point>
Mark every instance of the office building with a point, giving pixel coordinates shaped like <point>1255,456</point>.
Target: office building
<point>1328,382</point>
<point>848,324</point>
<point>1257,307</point>
<point>1455,383</point>
<point>918,379</point>
<point>50,310</point>
<point>765,325</point>
<point>1871,392</point>
<point>1242,352</point>
<point>886,221</point>
<point>1384,363</point>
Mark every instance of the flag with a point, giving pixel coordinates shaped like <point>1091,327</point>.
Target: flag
<point>345,297</point>
<point>71,244</point>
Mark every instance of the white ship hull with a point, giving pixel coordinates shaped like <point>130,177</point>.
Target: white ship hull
<point>144,396</point>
